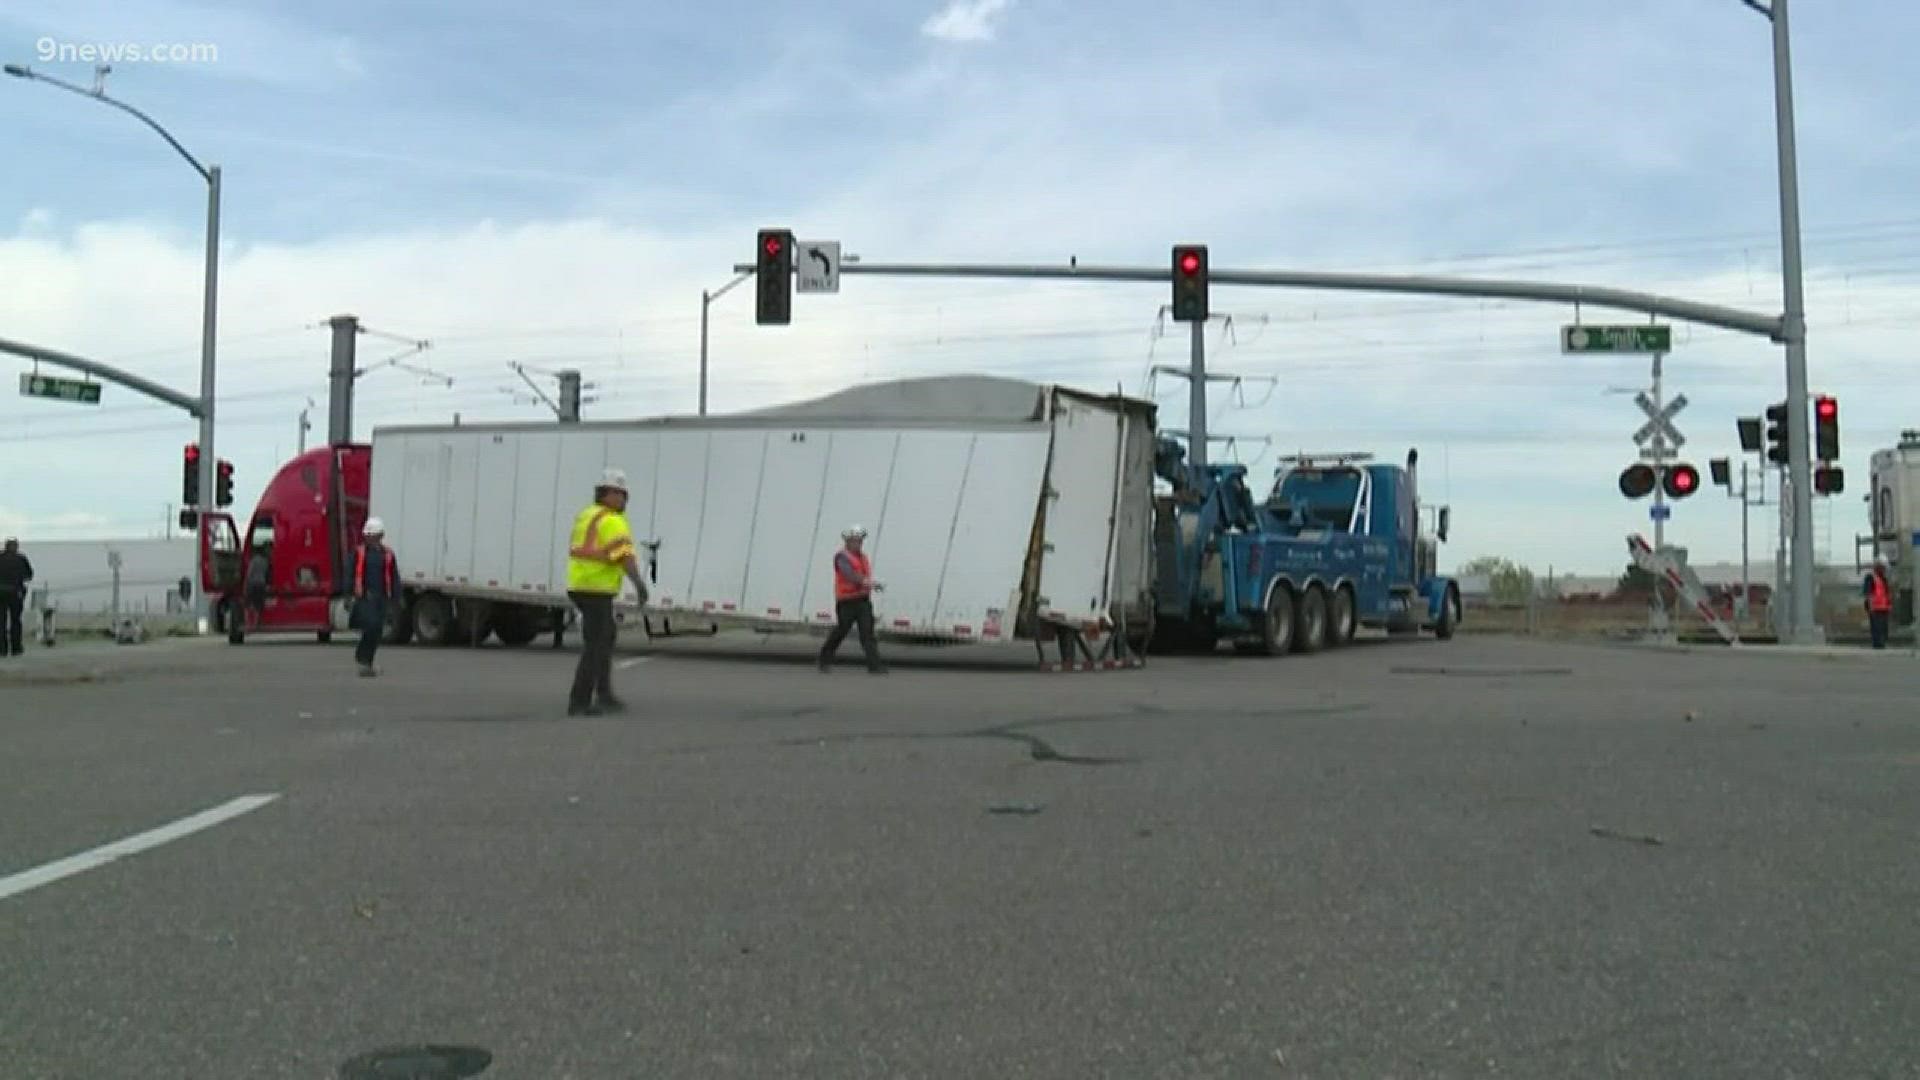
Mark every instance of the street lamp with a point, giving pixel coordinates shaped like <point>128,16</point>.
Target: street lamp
<point>208,311</point>
<point>706,301</point>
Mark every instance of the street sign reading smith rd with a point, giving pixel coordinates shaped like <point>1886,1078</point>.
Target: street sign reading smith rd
<point>59,389</point>
<point>1616,339</point>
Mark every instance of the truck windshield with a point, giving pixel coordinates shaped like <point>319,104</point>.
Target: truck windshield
<point>1316,498</point>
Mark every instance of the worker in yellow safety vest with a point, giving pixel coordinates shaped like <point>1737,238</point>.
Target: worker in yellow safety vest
<point>599,552</point>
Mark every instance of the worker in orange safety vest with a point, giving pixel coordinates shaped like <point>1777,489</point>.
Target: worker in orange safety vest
<point>376,584</point>
<point>853,589</point>
<point>1878,591</point>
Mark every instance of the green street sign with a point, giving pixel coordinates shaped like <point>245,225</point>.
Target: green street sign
<point>1623,339</point>
<point>60,389</point>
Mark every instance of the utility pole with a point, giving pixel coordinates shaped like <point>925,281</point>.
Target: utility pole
<point>1746,579</point>
<point>340,372</point>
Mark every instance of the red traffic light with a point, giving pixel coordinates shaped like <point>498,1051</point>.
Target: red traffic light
<point>1826,408</point>
<point>193,452</point>
<point>1189,262</point>
<point>772,243</point>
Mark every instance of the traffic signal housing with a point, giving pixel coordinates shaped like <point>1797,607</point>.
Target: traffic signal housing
<point>773,268</point>
<point>1190,283</point>
<point>1749,428</point>
<point>1829,480</point>
<point>223,483</point>
<point>1722,471</point>
<point>1636,481</point>
<point>1679,481</point>
<point>190,476</point>
<point>1777,421</point>
<point>1826,428</point>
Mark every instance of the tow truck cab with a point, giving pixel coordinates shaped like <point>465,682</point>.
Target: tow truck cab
<point>301,534</point>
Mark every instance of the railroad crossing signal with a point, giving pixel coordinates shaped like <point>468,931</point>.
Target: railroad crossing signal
<point>1777,421</point>
<point>1190,283</point>
<point>1679,481</point>
<point>773,269</point>
<point>1636,481</point>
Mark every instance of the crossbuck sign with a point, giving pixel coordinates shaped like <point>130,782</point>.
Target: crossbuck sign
<point>1659,426</point>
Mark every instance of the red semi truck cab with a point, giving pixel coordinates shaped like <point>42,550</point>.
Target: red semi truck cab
<point>301,535</point>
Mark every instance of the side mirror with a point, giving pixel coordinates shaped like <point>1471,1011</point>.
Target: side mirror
<point>1446,518</point>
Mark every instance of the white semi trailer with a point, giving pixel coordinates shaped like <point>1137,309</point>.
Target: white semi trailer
<point>997,510</point>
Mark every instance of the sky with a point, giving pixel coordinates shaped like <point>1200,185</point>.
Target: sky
<point>554,185</point>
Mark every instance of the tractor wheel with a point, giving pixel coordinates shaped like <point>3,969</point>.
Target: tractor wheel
<point>1449,616</point>
<point>1312,633</point>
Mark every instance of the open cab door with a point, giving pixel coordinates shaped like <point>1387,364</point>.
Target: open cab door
<point>219,555</point>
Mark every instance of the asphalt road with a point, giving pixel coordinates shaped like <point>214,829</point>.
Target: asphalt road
<point>1482,857</point>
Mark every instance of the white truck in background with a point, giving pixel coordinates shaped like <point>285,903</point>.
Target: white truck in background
<point>997,510</point>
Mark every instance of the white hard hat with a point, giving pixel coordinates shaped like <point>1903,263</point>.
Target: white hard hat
<point>615,479</point>
<point>853,531</point>
<point>374,527</point>
<point>1879,560</point>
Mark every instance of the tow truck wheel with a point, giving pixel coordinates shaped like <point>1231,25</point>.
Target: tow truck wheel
<point>1277,629</point>
<point>1312,633</point>
<point>1341,625</point>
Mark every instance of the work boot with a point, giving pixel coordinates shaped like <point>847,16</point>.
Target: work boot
<point>367,671</point>
<point>825,664</point>
<point>583,710</point>
<point>612,705</point>
<point>877,669</point>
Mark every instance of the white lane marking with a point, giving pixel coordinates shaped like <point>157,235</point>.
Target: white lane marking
<point>632,660</point>
<point>14,884</point>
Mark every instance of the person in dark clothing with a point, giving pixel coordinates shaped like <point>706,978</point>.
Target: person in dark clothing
<point>15,572</point>
<point>1878,591</point>
<point>853,589</point>
<point>376,583</point>
<point>259,577</point>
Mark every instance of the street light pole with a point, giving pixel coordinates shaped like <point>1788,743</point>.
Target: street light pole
<point>209,299</point>
<point>706,301</point>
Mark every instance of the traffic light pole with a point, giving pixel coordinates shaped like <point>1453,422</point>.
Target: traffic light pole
<point>1197,399</point>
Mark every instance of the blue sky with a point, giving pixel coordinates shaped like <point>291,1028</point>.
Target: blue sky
<point>555,184</point>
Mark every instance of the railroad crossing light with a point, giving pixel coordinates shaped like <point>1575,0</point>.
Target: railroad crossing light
<point>1749,427</point>
<point>773,266</point>
<point>1829,480</point>
<point>1680,481</point>
<point>1777,433</point>
<point>223,483</point>
<point>190,476</point>
<point>1190,283</point>
<point>1722,471</point>
<point>1636,481</point>
<point>1826,428</point>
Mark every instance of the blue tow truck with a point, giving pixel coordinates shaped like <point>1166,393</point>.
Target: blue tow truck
<point>1335,546</point>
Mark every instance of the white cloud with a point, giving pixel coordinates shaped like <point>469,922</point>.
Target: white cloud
<point>966,20</point>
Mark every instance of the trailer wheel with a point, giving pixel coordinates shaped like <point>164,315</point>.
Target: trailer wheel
<point>1312,633</point>
<point>1276,630</point>
<point>433,619</point>
<point>323,636</point>
<point>399,624</point>
<point>1449,616</point>
<point>1342,625</point>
